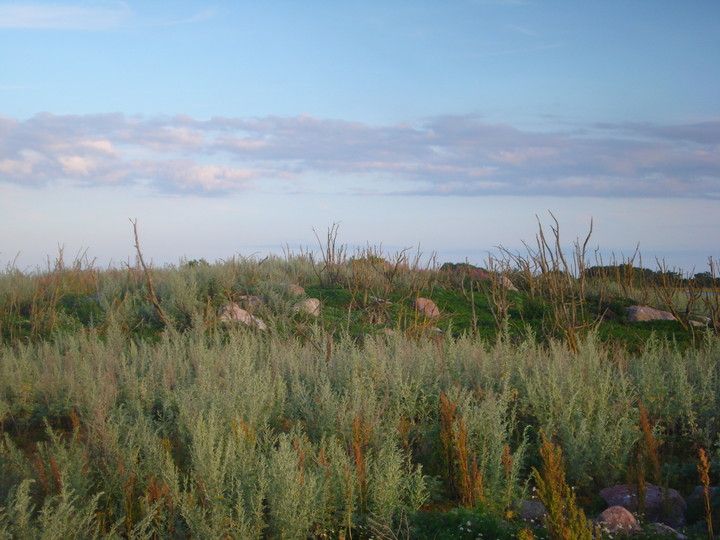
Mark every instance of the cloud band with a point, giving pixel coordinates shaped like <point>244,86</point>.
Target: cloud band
<point>452,155</point>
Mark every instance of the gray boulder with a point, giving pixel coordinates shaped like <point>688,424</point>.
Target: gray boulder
<point>532,511</point>
<point>665,531</point>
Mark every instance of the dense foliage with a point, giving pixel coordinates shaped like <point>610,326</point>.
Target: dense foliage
<point>130,416</point>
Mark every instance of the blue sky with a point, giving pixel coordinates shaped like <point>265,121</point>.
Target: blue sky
<point>239,126</point>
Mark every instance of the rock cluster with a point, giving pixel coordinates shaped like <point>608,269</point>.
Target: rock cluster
<point>661,505</point>
<point>664,510</point>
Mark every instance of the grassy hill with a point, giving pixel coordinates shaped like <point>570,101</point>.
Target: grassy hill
<point>130,408</point>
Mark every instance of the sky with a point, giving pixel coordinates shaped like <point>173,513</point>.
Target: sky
<point>232,128</point>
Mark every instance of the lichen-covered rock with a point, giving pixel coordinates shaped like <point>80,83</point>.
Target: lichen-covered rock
<point>466,270</point>
<point>295,290</point>
<point>427,308</point>
<point>646,313</point>
<point>533,511</point>
<point>233,313</point>
<point>251,302</point>
<point>470,271</point>
<point>617,519</point>
<point>505,282</point>
<point>310,306</point>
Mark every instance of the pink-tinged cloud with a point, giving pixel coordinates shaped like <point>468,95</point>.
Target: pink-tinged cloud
<point>64,16</point>
<point>452,155</point>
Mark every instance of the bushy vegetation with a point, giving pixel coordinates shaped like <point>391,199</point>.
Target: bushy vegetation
<point>127,409</point>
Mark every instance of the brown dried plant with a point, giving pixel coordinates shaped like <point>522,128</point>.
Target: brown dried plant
<point>472,490</point>
<point>711,299</point>
<point>647,455</point>
<point>526,534</point>
<point>448,410</point>
<point>151,294</point>
<point>704,472</point>
<point>559,277</point>
<point>650,443</point>
<point>462,472</point>
<point>361,433</point>
<point>565,519</point>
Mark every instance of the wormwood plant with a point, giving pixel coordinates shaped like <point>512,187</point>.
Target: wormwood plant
<point>481,469</point>
<point>210,432</point>
<point>587,403</point>
<point>396,485</point>
<point>61,516</point>
<point>293,491</point>
<point>565,520</point>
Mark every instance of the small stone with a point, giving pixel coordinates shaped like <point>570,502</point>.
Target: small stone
<point>698,493</point>
<point>505,282</point>
<point>696,503</point>
<point>427,308</point>
<point>295,290</point>
<point>609,315</point>
<point>251,302</point>
<point>701,319</point>
<point>618,519</point>
<point>665,531</point>
<point>532,510</point>
<point>311,306</point>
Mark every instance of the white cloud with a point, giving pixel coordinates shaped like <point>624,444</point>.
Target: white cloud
<point>88,15</point>
<point>76,165</point>
<point>23,165</point>
<point>101,145</point>
<point>77,16</point>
